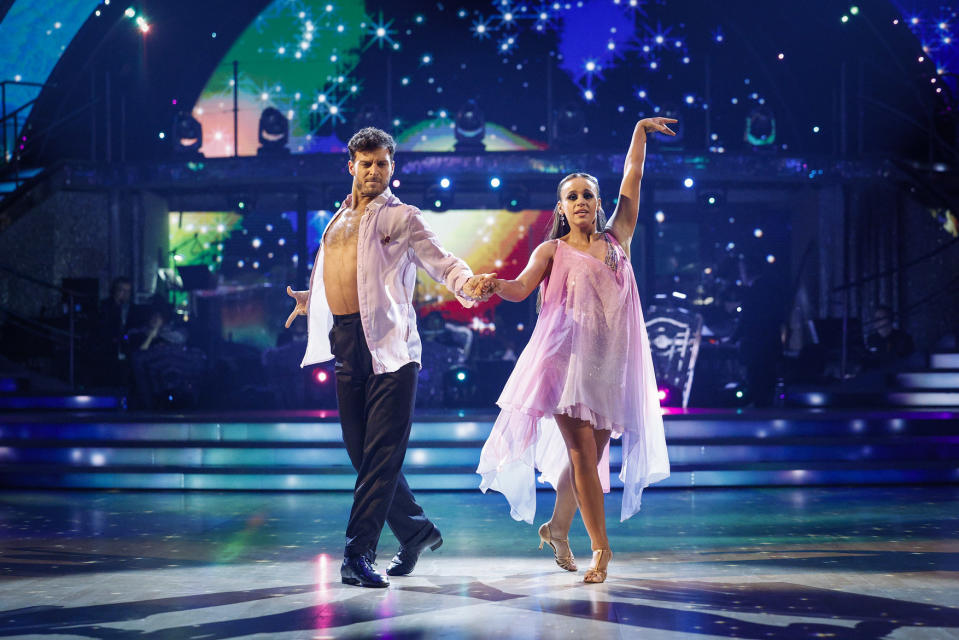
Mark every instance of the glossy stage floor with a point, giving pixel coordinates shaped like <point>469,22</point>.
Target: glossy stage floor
<point>801,562</point>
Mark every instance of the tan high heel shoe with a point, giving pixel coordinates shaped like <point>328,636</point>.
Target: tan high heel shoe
<point>597,572</point>
<point>565,561</point>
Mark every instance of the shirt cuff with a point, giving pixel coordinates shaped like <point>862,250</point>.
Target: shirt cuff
<point>459,281</point>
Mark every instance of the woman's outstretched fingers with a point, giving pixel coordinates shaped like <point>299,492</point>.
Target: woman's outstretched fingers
<point>662,122</point>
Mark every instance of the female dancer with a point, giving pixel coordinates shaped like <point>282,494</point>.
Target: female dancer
<point>587,370</point>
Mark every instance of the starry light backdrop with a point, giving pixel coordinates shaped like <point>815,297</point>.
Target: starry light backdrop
<point>413,65</point>
<point>560,75</point>
<point>563,76</point>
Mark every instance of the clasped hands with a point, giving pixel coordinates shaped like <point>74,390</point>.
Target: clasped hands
<point>481,287</point>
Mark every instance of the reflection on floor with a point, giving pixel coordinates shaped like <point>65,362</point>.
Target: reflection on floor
<point>716,563</point>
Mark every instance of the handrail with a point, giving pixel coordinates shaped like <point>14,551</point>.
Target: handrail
<point>846,288</point>
<point>72,295</point>
<point>37,281</point>
<point>931,191</point>
<point>23,82</point>
<point>32,325</point>
<point>7,116</point>
<point>39,134</point>
<point>944,289</point>
<point>3,107</point>
<point>893,270</point>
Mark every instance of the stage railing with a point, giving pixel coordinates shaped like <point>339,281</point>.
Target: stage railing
<point>917,181</point>
<point>43,330</point>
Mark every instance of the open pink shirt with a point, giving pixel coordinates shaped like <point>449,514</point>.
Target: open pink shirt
<point>393,239</point>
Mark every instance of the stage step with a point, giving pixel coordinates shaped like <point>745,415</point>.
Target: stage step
<point>466,479</point>
<point>924,398</point>
<point>12,383</point>
<point>305,451</point>
<point>61,402</point>
<point>944,361</point>
<point>929,380</point>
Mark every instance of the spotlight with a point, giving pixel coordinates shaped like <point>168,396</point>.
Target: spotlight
<point>274,132</point>
<point>333,197</point>
<point>712,198</point>
<point>760,127</point>
<point>514,198</point>
<point>470,128</point>
<point>569,125</point>
<point>437,198</point>
<point>688,183</point>
<point>445,183</point>
<point>187,134</point>
<point>494,183</point>
<point>241,203</point>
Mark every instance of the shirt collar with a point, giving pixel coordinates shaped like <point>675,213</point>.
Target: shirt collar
<point>379,200</point>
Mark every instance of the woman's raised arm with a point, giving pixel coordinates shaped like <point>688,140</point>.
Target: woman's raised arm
<point>623,222</point>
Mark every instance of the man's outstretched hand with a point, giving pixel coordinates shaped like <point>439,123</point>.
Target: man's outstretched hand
<point>300,309</point>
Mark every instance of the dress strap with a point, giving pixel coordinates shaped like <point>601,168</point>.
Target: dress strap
<point>612,256</point>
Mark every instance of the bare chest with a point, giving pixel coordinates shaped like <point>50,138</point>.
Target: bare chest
<point>344,231</point>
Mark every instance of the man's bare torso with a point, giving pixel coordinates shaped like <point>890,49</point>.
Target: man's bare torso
<point>339,263</point>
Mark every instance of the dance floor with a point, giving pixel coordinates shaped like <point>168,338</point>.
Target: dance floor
<point>870,562</point>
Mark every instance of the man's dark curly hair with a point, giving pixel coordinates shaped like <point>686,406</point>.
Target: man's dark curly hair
<point>371,139</point>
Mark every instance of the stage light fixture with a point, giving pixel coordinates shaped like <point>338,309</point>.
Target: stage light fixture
<point>760,127</point>
<point>274,133</point>
<point>712,199</point>
<point>437,198</point>
<point>241,203</point>
<point>470,128</point>
<point>187,134</point>
<point>514,198</point>
<point>569,125</point>
<point>333,197</point>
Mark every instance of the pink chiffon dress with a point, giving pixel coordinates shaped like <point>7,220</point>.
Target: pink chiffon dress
<point>588,358</point>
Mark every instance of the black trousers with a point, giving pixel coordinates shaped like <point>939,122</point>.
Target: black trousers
<point>376,413</point>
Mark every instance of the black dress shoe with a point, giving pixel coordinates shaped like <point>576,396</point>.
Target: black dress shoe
<point>405,559</point>
<point>358,571</point>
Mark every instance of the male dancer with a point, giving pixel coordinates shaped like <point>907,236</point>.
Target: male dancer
<point>364,276</point>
